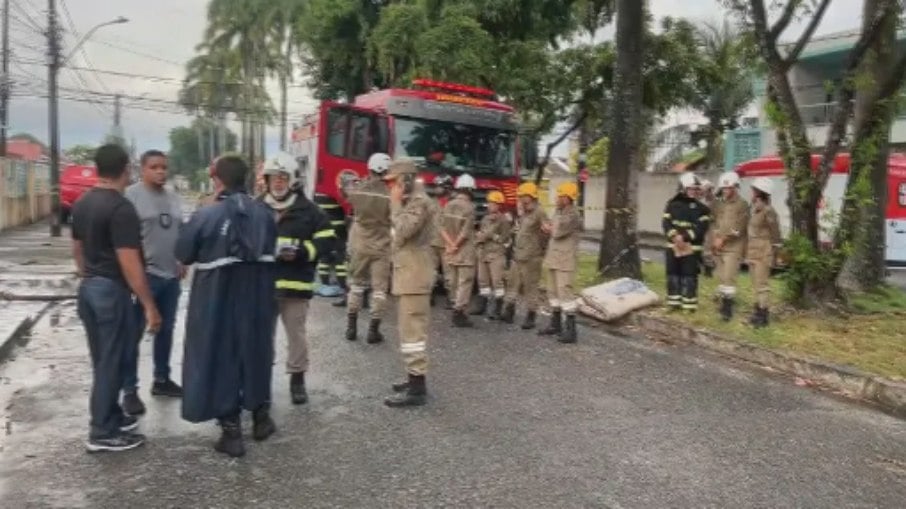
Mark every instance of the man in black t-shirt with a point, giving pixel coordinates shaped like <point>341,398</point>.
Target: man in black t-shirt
<point>106,245</point>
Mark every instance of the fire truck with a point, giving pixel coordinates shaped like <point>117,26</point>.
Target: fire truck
<point>446,128</point>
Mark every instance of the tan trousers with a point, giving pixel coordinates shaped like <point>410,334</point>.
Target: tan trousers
<point>293,313</point>
<point>560,290</point>
<point>761,281</point>
<point>376,271</point>
<point>490,276</point>
<point>442,267</point>
<point>524,279</point>
<point>413,315</point>
<point>462,277</point>
<point>727,268</point>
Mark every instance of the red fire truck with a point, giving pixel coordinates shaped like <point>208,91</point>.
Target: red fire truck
<point>446,128</point>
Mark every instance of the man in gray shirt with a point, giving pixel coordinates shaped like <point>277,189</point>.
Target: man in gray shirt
<point>160,213</point>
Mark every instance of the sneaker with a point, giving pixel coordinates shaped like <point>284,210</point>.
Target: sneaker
<point>121,442</point>
<point>128,423</point>
<point>167,388</point>
<point>132,404</point>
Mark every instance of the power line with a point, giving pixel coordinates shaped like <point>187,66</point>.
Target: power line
<point>29,20</point>
<point>138,53</point>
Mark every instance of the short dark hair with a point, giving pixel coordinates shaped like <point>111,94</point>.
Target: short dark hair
<point>112,161</point>
<point>232,171</point>
<point>763,196</point>
<point>151,153</point>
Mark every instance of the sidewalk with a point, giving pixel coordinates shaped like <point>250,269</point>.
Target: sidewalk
<point>36,271</point>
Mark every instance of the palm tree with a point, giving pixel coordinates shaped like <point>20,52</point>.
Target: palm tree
<point>286,15</point>
<point>723,88</point>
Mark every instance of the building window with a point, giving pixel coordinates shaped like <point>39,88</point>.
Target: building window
<point>360,137</point>
<point>902,193</point>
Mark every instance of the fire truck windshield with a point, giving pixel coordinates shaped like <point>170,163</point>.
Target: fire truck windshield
<point>457,147</point>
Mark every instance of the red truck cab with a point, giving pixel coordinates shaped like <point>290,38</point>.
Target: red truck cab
<point>74,181</point>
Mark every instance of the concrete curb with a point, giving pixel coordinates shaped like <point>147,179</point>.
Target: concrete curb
<point>15,334</point>
<point>889,394</point>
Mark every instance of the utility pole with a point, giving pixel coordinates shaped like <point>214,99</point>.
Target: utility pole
<point>117,112</point>
<point>53,67</point>
<point>4,86</point>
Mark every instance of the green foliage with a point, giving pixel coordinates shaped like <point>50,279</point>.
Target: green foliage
<point>184,156</point>
<point>809,266</point>
<point>395,40</point>
<point>80,154</point>
<point>457,49</point>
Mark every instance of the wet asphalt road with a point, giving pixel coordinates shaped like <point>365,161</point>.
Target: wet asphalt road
<point>514,421</point>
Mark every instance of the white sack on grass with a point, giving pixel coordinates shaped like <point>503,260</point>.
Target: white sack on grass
<point>615,299</point>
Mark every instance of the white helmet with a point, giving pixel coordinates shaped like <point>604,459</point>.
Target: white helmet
<point>763,184</point>
<point>688,180</point>
<point>707,184</point>
<point>728,179</point>
<point>282,163</point>
<point>379,163</point>
<point>465,181</point>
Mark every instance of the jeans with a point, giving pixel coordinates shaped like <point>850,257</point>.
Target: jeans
<point>166,296</point>
<point>105,308</point>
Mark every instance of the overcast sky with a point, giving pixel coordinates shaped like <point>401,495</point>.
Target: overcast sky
<point>157,41</point>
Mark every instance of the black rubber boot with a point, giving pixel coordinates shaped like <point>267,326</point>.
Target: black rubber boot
<point>759,318</point>
<point>726,309</point>
<point>230,442</point>
<point>461,320</point>
<point>765,319</point>
<point>481,306</point>
<point>509,313</point>
<point>569,330</point>
<point>401,386</point>
<point>556,325</point>
<point>497,311</point>
<point>366,299</point>
<point>529,322</point>
<point>416,394</point>
<point>352,324</point>
<point>297,388</point>
<point>262,424</point>
<point>374,333</point>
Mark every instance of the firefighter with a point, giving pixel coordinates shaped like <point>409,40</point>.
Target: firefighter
<point>443,185</point>
<point>764,237</point>
<point>728,243</point>
<point>413,278</point>
<point>369,244</point>
<point>335,260</point>
<point>492,239</point>
<point>707,197</point>
<point>685,222</point>
<point>528,251</point>
<point>560,262</point>
<point>303,232</point>
<point>459,237</point>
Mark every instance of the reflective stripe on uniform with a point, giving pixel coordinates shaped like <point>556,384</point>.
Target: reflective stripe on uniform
<point>571,306</point>
<point>301,286</point>
<point>484,292</point>
<point>378,296</point>
<point>312,250</point>
<point>555,303</point>
<point>500,292</point>
<point>417,347</point>
<point>288,240</point>
<point>324,234</point>
<point>329,205</point>
<point>727,291</point>
<point>229,260</point>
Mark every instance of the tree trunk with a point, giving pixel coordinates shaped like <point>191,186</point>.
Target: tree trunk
<point>863,221</point>
<point>619,255</point>
<point>285,76</point>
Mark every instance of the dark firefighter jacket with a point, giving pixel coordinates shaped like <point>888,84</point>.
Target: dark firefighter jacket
<point>687,217</point>
<point>229,345</point>
<point>335,215</point>
<point>307,229</point>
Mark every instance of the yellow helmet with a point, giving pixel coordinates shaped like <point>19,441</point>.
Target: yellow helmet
<point>568,189</point>
<point>528,189</point>
<point>496,197</point>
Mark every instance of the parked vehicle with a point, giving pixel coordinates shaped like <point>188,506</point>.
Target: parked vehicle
<point>832,201</point>
<point>74,181</point>
<point>446,128</point>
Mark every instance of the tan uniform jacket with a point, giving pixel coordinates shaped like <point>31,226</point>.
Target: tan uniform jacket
<point>493,236</point>
<point>530,240</point>
<point>563,249</point>
<point>413,261</point>
<point>764,234</point>
<point>459,221</point>
<point>437,216</point>
<point>370,235</point>
<point>731,220</point>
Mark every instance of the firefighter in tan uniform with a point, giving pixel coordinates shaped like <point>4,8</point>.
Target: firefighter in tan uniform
<point>369,243</point>
<point>492,240</point>
<point>528,251</point>
<point>728,239</point>
<point>459,236</point>
<point>413,278</point>
<point>560,262</point>
<point>708,198</point>
<point>443,185</point>
<point>764,237</point>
